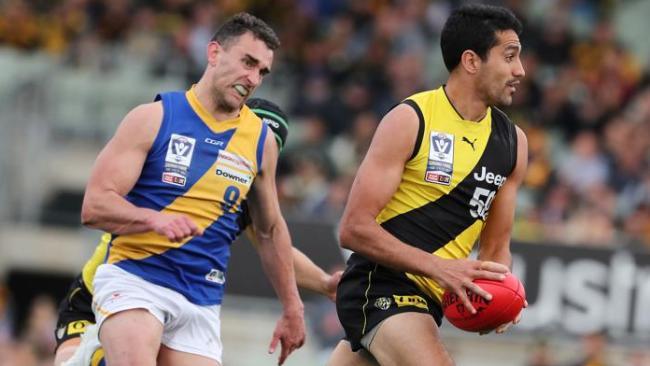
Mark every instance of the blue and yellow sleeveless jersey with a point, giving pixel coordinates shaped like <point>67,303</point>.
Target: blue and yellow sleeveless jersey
<point>201,168</point>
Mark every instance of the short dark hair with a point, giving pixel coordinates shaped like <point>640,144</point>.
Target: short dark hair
<point>473,27</point>
<point>241,23</point>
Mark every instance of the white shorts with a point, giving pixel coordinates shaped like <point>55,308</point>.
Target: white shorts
<point>187,327</point>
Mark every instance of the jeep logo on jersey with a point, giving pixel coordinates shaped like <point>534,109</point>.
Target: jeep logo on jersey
<point>180,150</point>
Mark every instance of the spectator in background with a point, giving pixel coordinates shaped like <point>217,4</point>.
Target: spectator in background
<point>348,149</point>
<point>594,350</point>
<point>584,167</point>
<point>41,319</point>
<point>541,354</point>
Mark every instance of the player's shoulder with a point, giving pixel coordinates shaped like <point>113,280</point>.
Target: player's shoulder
<point>146,114</point>
<point>142,123</point>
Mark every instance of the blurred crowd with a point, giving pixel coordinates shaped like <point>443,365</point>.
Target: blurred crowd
<point>585,103</point>
<point>31,343</point>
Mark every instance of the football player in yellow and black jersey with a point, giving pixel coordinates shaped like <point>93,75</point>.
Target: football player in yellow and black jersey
<point>75,310</point>
<point>441,174</point>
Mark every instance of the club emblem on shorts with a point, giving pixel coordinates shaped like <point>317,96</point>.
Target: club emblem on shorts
<point>383,303</point>
<point>216,276</point>
<point>440,165</point>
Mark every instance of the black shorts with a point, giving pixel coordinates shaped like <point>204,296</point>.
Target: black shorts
<point>369,293</point>
<point>75,312</point>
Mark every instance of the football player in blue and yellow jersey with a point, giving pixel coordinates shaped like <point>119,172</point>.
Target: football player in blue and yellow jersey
<point>75,310</point>
<point>168,187</point>
<point>442,173</point>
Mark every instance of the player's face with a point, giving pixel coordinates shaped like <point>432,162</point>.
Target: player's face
<point>502,70</point>
<point>239,67</point>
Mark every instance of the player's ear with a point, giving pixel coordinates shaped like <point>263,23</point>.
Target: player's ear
<point>470,61</point>
<point>213,49</point>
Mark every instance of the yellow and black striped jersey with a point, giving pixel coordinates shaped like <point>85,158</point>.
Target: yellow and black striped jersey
<point>447,186</point>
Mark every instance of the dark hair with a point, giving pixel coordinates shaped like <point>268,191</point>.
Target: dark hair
<point>241,23</point>
<point>473,27</point>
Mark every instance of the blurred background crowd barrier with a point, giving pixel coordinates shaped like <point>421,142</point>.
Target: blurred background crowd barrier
<point>71,69</point>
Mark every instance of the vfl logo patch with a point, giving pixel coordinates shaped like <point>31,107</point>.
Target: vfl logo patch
<point>180,149</point>
<point>178,159</point>
<point>440,165</point>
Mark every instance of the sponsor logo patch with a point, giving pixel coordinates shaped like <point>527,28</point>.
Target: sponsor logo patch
<point>234,168</point>
<point>440,165</point>
<point>414,300</point>
<point>234,161</point>
<point>216,276</point>
<point>178,159</point>
<point>234,175</point>
<point>77,327</point>
<point>213,142</point>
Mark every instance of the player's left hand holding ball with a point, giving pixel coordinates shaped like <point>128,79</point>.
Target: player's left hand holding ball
<point>504,327</point>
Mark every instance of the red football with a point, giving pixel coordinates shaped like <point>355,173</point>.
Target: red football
<point>507,301</point>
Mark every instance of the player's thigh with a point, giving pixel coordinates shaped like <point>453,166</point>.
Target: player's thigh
<point>344,356</point>
<point>409,339</point>
<point>131,337</point>
<point>170,357</point>
<point>66,350</point>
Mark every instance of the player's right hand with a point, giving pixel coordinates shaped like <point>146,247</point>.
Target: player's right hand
<point>173,226</point>
<point>331,284</point>
<point>290,333</point>
<point>457,276</point>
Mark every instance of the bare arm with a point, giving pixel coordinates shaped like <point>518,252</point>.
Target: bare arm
<point>308,275</point>
<point>275,250</point>
<point>114,174</point>
<point>312,277</point>
<point>388,153</point>
<point>495,237</point>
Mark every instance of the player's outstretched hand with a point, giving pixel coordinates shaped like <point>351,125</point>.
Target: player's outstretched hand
<point>290,332</point>
<point>457,276</point>
<point>332,283</point>
<point>175,227</point>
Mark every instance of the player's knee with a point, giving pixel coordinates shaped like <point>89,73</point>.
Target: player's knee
<point>65,351</point>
